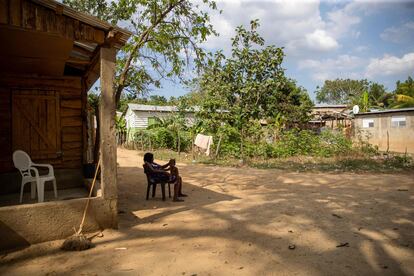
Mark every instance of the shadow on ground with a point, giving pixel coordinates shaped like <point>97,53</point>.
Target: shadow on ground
<point>242,221</point>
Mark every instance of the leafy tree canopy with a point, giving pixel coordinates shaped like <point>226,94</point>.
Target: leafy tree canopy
<point>405,88</point>
<point>166,38</point>
<point>249,85</point>
<point>404,94</point>
<point>341,91</point>
<point>347,91</point>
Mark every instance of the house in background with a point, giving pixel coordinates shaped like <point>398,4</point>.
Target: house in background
<point>390,130</point>
<point>141,116</point>
<point>330,115</point>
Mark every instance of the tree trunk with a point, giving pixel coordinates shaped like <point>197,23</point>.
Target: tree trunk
<point>241,145</point>
<point>388,142</point>
<point>192,147</point>
<point>178,142</point>
<point>218,146</point>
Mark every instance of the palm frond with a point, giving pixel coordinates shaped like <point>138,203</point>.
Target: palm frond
<point>404,98</point>
<point>403,101</point>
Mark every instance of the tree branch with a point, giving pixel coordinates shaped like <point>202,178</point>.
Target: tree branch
<point>141,41</point>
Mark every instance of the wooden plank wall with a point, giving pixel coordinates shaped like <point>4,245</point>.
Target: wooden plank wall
<point>71,118</point>
<point>72,128</point>
<point>5,130</point>
<point>31,16</point>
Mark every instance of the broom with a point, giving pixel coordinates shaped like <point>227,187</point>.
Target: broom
<point>79,241</point>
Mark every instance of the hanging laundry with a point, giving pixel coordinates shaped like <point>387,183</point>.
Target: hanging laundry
<point>204,142</point>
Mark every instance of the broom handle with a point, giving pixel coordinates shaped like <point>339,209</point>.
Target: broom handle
<point>89,197</point>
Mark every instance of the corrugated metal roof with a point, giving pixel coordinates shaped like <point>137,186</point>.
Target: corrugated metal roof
<point>386,111</point>
<point>157,108</point>
<point>330,106</point>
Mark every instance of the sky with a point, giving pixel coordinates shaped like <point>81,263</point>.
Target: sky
<point>324,40</point>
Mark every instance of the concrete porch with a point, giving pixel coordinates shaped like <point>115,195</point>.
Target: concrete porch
<point>66,194</point>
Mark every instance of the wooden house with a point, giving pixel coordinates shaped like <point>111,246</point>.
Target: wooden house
<point>50,56</point>
<point>141,116</point>
<point>330,115</point>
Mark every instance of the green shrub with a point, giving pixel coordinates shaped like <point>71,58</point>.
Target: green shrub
<point>304,142</point>
<point>185,141</point>
<point>143,138</point>
<point>333,144</point>
<point>295,142</point>
<point>162,138</point>
<point>399,161</point>
<point>290,143</point>
<point>230,142</point>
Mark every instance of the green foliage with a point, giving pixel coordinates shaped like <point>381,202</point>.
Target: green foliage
<point>403,101</point>
<point>93,101</point>
<point>307,143</point>
<point>333,144</point>
<point>341,91</point>
<point>162,138</point>
<point>293,142</point>
<point>230,144</point>
<point>120,124</point>
<point>363,145</point>
<point>405,88</point>
<point>364,102</point>
<point>399,161</point>
<point>404,94</point>
<point>249,86</point>
<point>166,35</point>
<point>173,128</point>
<point>346,91</point>
<point>378,97</point>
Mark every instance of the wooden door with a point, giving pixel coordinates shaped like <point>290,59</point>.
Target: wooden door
<point>6,164</point>
<point>36,124</point>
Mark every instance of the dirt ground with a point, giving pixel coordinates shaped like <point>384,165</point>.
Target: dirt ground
<point>241,221</point>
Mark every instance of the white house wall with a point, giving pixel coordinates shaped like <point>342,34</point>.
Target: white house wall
<point>129,117</point>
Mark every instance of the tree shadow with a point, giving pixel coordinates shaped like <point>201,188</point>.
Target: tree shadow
<point>254,215</point>
<point>13,242</point>
<point>292,209</point>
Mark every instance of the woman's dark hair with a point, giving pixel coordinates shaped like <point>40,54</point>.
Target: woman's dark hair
<point>148,157</point>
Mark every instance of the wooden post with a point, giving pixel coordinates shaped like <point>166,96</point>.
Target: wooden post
<point>178,142</point>
<point>192,147</point>
<point>218,146</point>
<point>388,142</point>
<point>107,117</point>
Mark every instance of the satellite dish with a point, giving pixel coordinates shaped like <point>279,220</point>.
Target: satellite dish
<point>355,109</point>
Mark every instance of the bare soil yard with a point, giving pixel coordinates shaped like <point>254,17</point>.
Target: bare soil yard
<point>241,221</point>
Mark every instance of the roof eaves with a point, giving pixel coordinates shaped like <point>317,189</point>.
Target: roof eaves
<point>386,111</point>
<point>330,106</point>
<point>159,108</point>
<point>86,18</point>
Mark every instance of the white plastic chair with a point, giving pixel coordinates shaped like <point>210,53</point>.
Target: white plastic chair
<point>30,174</point>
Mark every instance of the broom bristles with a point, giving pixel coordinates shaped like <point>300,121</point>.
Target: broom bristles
<point>77,242</point>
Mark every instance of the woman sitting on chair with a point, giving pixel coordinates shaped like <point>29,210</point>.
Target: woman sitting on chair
<point>158,173</point>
